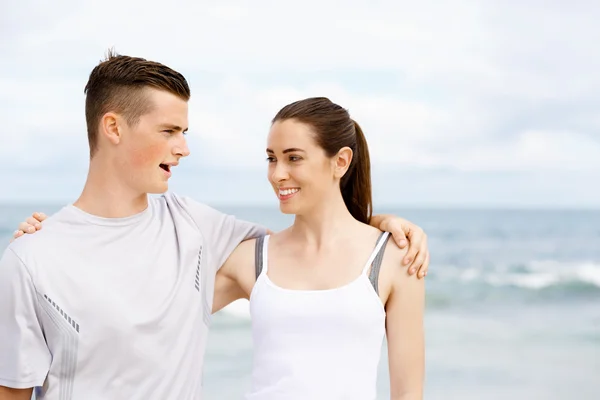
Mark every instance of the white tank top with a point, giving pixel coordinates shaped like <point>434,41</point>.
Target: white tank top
<point>316,344</point>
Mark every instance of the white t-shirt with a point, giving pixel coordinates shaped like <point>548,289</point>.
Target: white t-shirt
<point>96,308</point>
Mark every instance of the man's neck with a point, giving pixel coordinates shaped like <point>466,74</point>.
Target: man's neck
<point>105,195</point>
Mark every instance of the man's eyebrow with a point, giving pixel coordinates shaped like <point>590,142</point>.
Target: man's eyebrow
<point>173,127</point>
<point>290,150</point>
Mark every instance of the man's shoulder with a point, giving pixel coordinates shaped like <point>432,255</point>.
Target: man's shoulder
<point>31,249</point>
<point>200,213</point>
<point>61,221</point>
<point>171,198</point>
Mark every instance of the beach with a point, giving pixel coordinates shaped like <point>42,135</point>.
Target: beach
<point>513,305</point>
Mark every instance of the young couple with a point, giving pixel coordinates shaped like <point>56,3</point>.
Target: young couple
<point>113,298</point>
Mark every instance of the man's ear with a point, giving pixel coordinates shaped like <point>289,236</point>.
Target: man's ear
<point>342,161</point>
<point>110,127</point>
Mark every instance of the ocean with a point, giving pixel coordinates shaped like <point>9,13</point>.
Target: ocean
<point>513,305</point>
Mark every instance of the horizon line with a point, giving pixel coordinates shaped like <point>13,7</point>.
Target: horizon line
<point>409,206</point>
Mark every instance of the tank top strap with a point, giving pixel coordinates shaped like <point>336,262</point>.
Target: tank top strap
<point>374,274</point>
<point>260,255</point>
<point>380,242</point>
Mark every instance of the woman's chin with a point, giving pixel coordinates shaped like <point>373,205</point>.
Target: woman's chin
<point>287,208</point>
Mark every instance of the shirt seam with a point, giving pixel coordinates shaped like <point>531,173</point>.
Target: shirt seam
<point>37,300</point>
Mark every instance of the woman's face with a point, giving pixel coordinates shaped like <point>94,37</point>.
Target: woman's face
<point>300,172</point>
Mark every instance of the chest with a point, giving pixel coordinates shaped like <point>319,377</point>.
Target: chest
<point>350,311</point>
<point>123,296</point>
<point>303,270</point>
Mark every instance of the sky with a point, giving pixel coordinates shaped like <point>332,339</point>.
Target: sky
<point>490,103</point>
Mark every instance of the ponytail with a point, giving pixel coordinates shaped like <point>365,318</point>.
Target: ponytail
<point>356,184</point>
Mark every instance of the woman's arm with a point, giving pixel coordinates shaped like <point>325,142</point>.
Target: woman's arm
<point>235,278</point>
<point>7,393</point>
<point>405,334</point>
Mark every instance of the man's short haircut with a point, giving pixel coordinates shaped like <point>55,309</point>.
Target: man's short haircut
<point>118,84</point>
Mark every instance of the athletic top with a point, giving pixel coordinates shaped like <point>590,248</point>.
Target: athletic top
<point>316,344</point>
<point>114,308</point>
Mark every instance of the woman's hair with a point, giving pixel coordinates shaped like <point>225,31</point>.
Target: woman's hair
<point>333,130</point>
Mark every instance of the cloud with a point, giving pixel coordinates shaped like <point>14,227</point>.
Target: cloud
<point>466,86</point>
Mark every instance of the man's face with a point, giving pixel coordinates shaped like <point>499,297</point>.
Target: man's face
<point>148,151</point>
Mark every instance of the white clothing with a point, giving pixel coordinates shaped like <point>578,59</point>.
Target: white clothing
<point>316,344</point>
<point>97,308</point>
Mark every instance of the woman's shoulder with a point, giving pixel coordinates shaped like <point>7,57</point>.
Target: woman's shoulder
<point>393,267</point>
<point>392,251</point>
<point>247,245</point>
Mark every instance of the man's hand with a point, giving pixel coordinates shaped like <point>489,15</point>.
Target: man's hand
<point>406,233</point>
<point>30,225</point>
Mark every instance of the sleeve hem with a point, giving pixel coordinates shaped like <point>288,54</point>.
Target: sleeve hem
<point>20,384</point>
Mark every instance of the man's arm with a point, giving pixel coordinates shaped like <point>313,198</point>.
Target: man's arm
<point>24,355</point>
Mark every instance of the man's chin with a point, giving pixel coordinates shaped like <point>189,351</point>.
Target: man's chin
<point>159,189</point>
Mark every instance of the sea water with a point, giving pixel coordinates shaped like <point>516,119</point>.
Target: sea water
<point>513,305</point>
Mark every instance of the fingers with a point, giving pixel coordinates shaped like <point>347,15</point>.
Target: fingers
<point>400,238</point>
<point>417,263</point>
<point>416,239</point>
<point>30,225</point>
<point>417,256</point>
<point>423,270</point>
<point>420,264</point>
<point>34,222</point>
<point>418,253</point>
<point>40,216</point>
<point>16,235</point>
<point>26,227</point>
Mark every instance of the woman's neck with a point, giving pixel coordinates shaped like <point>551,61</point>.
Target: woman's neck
<point>324,223</point>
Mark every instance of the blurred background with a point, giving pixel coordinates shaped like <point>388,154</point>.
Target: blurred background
<point>483,124</point>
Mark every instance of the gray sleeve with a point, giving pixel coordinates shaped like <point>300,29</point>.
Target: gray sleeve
<point>222,232</point>
<point>25,357</point>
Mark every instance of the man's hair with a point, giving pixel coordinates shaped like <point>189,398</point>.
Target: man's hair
<point>118,84</point>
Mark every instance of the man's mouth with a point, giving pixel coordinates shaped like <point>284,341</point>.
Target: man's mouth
<point>165,167</point>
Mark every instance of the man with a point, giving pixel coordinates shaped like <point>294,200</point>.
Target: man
<point>113,298</point>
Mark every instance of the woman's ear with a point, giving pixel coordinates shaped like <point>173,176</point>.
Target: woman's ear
<point>342,161</point>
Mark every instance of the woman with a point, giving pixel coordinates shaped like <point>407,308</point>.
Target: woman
<point>325,291</point>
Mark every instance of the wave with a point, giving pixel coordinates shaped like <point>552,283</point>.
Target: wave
<point>452,286</point>
<point>537,275</point>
